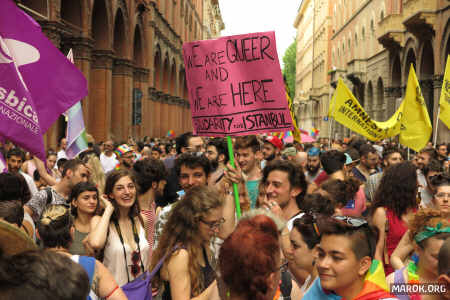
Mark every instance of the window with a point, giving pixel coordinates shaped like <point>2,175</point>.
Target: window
<point>363,34</point>
<point>381,15</point>
<point>356,39</point>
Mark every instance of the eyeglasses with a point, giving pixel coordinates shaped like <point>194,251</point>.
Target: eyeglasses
<point>358,223</point>
<point>135,259</point>
<point>213,224</point>
<point>442,195</point>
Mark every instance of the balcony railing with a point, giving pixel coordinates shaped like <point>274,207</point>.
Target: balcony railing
<point>390,31</point>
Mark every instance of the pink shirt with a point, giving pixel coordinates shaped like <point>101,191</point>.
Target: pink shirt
<point>357,206</point>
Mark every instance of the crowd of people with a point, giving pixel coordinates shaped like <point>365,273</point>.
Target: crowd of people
<point>333,219</point>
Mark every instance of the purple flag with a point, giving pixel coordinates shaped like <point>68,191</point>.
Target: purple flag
<point>38,83</point>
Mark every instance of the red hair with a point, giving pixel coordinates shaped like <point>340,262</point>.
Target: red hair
<point>249,255</point>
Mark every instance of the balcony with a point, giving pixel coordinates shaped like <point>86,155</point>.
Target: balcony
<point>356,71</point>
<point>419,17</point>
<point>390,32</point>
<point>334,76</point>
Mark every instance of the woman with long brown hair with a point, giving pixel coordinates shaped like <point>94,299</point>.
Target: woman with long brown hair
<point>120,230</point>
<point>188,271</point>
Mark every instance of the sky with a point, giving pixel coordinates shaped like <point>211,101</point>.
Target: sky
<point>246,16</point>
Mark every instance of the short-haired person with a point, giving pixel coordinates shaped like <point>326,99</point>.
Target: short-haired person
<point>74,172</point>
<point>42,275</point>
<point>368,163</point>
<point>108,158</point>
<point>442,151</point>
<point>14,160</point>
<point>84,201</point>
<point>62,144</point>
<point>433,168</point>
<point>441,197</point>
<point>271,148</point>
<point>56,233</point>
<point>423,159</point>
<point>444,267</point>
<point>250,262</point>
<point>428,230</point>
<point>125,155</point>
<point>246,149</point>
<point>217,153</point>
<point>313,167</point>
<point>285,186</point>
<point>151,178</point>
<point>391,156</point>
<point>156,152</point>
<point>395,201</point>
<point>192,225</point>
<point>333,163</point>
<point>344,257</point>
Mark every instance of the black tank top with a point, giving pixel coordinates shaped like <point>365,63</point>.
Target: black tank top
<point>208,276</point>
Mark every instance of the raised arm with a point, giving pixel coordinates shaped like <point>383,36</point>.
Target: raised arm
<point>404,248</point>
<point>379,221</point>
<point>99,227</point>
<point>43,172</point>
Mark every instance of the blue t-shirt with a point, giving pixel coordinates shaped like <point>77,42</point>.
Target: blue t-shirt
<point>316,292</point>
<point>252,189</point>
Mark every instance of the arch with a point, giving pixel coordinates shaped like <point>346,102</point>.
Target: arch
<point>445,46</point>
<point>410,59</point>
<point>71,12</point>
<point>100,25</point>
<point>173,79</point>
<point>370,103</point>
<point>396,77</point>
<point>165,75</point>
<point>380,97</point>
<point>426,76</point>
<point>39,6</point>
<point>138,53</point>
<point>157,68</point>
<point>119,41</point>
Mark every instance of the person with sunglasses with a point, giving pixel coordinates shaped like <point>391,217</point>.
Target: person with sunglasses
<point>193,223</point>
<point>345,261</point>
<point>250,261</point>
<point>428,230</point>
<point>55,229</point>
<point>120,230</point>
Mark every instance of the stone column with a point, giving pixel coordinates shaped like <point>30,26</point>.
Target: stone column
<point>140,81</point>
<point>100,94</point>
<point>122,84</point>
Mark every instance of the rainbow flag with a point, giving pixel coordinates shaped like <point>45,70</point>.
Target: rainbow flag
<point>171,133</point>
<point>314,132</point>
<point>375,286</point>
<point>76,132</point>
<point>286,136</point>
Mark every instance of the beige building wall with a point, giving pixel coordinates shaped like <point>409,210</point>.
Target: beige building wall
<point>212,19</point>
<point>313,25</point>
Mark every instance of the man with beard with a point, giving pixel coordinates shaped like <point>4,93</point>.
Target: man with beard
<point>151,177</point>
<point>368,163</point>
<point>14,160</point>
<point>217,154</point>
<point>312,165</point>
<point>125,156</point>
<point>423,159</point>
<point>391,156</point>
<point>271,148</point>
<point>246,149</point>
<point>108,157</point>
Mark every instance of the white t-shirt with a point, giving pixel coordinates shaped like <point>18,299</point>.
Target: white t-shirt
<point>108,162</point>
<point>61,154</point>
<point>30,183</point>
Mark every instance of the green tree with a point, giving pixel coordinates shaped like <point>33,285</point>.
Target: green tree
<point>289,60</point>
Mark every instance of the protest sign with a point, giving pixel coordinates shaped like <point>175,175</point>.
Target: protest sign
<point>235,86</point>
<point>38,82</point>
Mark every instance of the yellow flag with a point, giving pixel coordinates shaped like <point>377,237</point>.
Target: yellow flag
<point>416,127</point>
<point>444,102</point>
<point>349,113</point>
<point>296,132</point>
<point>332,106</point>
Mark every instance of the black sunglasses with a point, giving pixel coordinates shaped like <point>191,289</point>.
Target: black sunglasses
<point>357,223</point>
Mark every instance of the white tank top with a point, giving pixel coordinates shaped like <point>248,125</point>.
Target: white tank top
<point>114,259</point>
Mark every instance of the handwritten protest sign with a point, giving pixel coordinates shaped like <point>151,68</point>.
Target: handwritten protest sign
<point>235,85</point>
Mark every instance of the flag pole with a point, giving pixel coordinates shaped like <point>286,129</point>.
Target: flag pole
<point>437,124</point>
<point>235,186</point>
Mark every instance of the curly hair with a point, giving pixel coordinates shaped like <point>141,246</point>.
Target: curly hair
<point>397,189</point>
<point>192,161</point>
<point>427,217</point>
<point>148,171</point>
<point>317,203</point>
<point>341,191</point>
<point>249,255</point>
<point>182,228</point>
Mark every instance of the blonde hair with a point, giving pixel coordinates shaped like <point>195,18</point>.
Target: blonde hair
<point>54,227</point>
<point>97,175</point>
<point>281,224</point>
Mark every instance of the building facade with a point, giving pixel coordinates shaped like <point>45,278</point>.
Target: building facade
<point>212,20</point>
<point>373,44</point>
<point>313,23</point>
<point>130,52</point>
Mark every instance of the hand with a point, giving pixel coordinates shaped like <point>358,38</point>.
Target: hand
<point>273,207</point>
<point>234,175</point>
<point>89,250</point>
<point>106,203</point>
